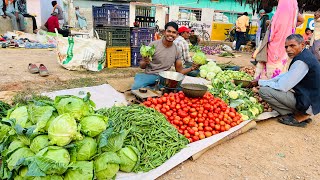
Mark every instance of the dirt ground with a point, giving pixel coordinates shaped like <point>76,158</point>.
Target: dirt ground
<point>271,151</point>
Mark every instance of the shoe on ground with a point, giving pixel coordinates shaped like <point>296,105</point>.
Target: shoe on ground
<point>43,71</point>
<point>33,69</point>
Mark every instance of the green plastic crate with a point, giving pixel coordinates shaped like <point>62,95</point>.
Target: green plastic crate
<point>114,36</point>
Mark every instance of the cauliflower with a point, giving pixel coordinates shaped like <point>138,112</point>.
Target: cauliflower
<point>244,117</point>
<point>210,75</point>
<point>203,73</point>
<point>233,95</point>
<point>253,100</point>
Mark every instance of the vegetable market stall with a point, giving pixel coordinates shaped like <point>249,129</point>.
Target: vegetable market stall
<point>44,160</point>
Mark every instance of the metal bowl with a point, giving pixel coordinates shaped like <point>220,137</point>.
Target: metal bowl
<point>194,90</point>
<point>170,79</point>
<point>243,83</point>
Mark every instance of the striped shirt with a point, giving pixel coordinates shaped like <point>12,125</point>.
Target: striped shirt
<point>183,46</point>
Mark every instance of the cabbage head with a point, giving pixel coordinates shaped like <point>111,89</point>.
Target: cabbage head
<point>93,125</point>
<point>106,165</point>
<point>199,58</point>
<point>20,114</point>
<point>203,73</point>
<point>5,131</point>
<point>54,115</point>
<point>74,105</point>
<point>86,148</point>
<point>80,170</point>
<point>210,76</point>
<point>114,141</point>
<point>52,160</point>
<point>23,176</point>
<point>62,130</point>
<point>39,143</point>
<point>14,145</point>
<point>130,158</point>
<point>23,152</point>
<point>40,115</point>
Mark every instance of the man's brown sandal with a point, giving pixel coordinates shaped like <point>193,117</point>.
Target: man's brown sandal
<point>33,69</point>
<point>43,71</point>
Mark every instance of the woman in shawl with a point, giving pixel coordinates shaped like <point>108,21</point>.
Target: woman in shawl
<point>284,22</point>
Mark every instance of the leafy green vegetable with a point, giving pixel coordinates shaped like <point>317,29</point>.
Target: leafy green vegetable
<point>86,149</point>
<point>62,130</point>
<point>106,165</point>
<point>39,143</point>
<point>4,107</point>
<point>93,125</point>
<point>130,158</point>
<point>40,115</point>
<point>14,145</point>
<point>20,114</point>
<point>199,58</point>
<point>51,160</point>
<point>23,152</point>
<point>115,141</point>
<point>74,105</point>
<point>147,51</point>
<point>80,170</point>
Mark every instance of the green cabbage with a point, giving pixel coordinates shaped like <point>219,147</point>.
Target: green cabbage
<point>52,160</point>
<point>86,148</point>
<point>14,145</point>
<point>39,143</point>
<point>147,51</point>
<point>40,115</point>
<point>5,132</point>
<point>80,170</point>
<point>93,125</point>
<point>203,73</point>
<point>54,115</point>
<point>210,75</point>
<point>23,152</point>
<point>73,105</point>
<point>114,141</point>
<point>106,165</point>
<point>199,58</point>
<point>130,158</point>
<point>62,130</point>
<point>20,114</point>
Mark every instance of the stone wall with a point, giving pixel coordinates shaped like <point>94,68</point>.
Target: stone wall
<point>7,26</point>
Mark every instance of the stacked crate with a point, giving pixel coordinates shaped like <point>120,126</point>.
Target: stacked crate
<point>139,37</point>
<point>111,21</point>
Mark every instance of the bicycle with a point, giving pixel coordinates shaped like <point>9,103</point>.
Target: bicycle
<point>204,36</point>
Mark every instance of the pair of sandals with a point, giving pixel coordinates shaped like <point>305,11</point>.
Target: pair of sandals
<point>42,70</point>
<point>291,121</point>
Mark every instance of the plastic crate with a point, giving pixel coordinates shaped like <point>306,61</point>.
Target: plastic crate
<point>135,56</point>
<point>140,36</point>
<point>111,14</point>
<point>114,36</point>
<point>118,57</point>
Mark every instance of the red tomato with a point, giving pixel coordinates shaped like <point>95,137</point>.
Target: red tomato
<point>217,127</point>
<point>191,131</point>
<point>207,134</point>
<point>232,114</point>
<point>222,128</point>
<point>164,99</point>
<point>193,114</point>
<point>202,136</point>
<point>154,101</point>
<point>180,131</point>
<point>195,138</point>
<point>187,135</point>
<point>165,94</point>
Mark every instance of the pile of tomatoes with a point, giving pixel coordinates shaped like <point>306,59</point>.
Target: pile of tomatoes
<point>196,118</point>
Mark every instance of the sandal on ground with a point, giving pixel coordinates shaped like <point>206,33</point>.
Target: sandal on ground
<point>33,68</point>
<point>43,71</point>
<point>291,121</point>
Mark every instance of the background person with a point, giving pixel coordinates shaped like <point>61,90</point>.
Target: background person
<point>53,23</point>
<point>82,21</point>
<point>284,23</point>
<point>13,12</point>
<point>22,7</point>
<point>307,36</point>
<point>59,10</point>
<point>242,24</point>
<point>194,39</point>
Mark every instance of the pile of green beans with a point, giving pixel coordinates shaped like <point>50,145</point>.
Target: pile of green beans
<point>150,132</point>
<point>4,107</point>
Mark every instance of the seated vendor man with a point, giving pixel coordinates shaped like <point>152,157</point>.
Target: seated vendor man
<point>183,45</point>
<point>166,55</point>
<point>295,93</point>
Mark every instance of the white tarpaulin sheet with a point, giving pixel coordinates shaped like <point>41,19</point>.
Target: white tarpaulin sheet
<point>106,96</point>
<point>103,95</point>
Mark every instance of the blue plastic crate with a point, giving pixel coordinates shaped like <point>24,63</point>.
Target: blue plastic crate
<point>111,14</point>
<point>135,56</point>
<point>142,36</point>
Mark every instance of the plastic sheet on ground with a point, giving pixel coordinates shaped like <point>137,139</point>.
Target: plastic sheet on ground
<point>195,80</point>
<point>180,157</point>
<point>103,95</point>
<point>267,115</point>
